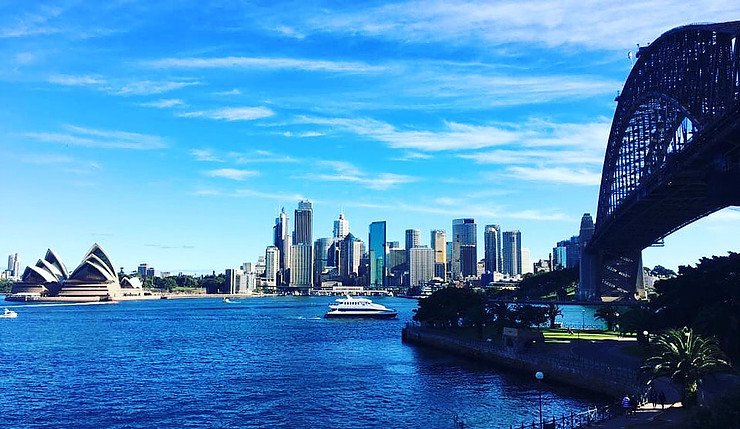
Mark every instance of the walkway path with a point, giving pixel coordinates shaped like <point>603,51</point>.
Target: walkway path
<point>647,416</point>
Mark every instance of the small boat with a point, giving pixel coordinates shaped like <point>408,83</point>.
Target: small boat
<point>359,308</point>
<point>227,301</point>
<point>9,314</point>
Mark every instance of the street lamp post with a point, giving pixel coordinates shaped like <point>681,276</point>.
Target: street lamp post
<point>583,322</point>
<point>539,376</point>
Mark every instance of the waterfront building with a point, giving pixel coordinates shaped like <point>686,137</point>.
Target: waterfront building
<point>235,282</point>
<point>282,240</point>
<point>465,254</point>
<point>567,253</point>
<point>393,245</point>
<point>421,265</point>
<point>377,254</point>
<point>321,249</point>
<point>272,265</point>
<point>492,248</point>
<point>301,268</point>
<point>397,266</point>
<point>150,272</point>
<point>341,227</point>
<point>94,279</point>
<point>512,252</point>
<point>259,267</point>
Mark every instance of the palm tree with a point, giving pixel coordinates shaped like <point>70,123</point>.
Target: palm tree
<point>685,357</point>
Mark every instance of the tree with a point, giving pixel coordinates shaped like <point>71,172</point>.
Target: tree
<point>609,314</point>
<point>661,271</point>
<point>638,320</point>
<point>530,315</point>
<point>452,307</point>
<point>553,311</point>
<point>6,286</point>
<point>685,357</point>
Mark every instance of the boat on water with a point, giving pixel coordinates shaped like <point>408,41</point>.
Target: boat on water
<point>350,307</point>
<point>9,314</point>
<point>227,301</point>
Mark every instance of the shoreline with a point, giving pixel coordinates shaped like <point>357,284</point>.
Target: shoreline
<point>608,380</point>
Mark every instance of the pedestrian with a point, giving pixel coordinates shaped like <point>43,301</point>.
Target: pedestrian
<point>633,405</point>
<point>626,405</point>
<point>652,397</point>
<point>661,399</point>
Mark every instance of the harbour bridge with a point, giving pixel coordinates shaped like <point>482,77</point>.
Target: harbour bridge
<point>673,154</point>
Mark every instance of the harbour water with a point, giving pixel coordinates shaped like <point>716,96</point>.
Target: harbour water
<point>258,362</point>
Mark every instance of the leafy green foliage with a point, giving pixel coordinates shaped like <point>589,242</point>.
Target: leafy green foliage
<point>553,311</point>
<point>452,307</point>
<point>609,314</point>
<point>6,286</point>
<point>707,297</point>
<point>684,356</point>
<point>557,283</point>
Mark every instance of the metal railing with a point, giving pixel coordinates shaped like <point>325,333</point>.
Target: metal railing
<point>575,420</point>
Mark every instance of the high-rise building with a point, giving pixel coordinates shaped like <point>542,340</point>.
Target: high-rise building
<point>282,240</point>
<point>527,266</point>
<point>236,282</point>
<point>350,250</point>
<point>377,254</point>
<point>321,249</point>
<point>14,266</point>
<point>439,245</point>
<point>567,253</point>
<point>413,239</point>
<point>492,248</point>
<point>464,233</point>
<point>142,270</point>
<point>586,269</point>
<point>341,227</point>
<point>512,252</point>
<point>301,268</point>
<point>421,265</point>
<point>272,265</point>
<point>259,267</point>
<point>303,231</point>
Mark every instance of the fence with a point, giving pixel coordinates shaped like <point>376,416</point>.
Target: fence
<point>575,420</point>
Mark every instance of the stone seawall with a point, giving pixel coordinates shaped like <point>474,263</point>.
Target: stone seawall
<point>558,367</point>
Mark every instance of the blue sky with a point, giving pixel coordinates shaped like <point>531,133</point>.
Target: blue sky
<point>172,132</point>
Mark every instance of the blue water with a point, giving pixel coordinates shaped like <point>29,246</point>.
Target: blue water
<point>260,362</point>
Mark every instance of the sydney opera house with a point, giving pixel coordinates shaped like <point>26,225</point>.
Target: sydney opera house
<point>95,279</point>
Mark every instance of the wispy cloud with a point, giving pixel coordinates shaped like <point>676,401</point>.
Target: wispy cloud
<point>264,63</point>
<point>234,91</point>
<point>347,172</point>
<point>230,113</point>
<point>118,87</point>
<point>249,193</point>
<point>570,176</point>
<point>165,103</point>
<point>205,155</point>
<point>604,24</point>
<point>32,24</point>
<point>101,139</point>
<point>231,173</point>
<point>303,134</point>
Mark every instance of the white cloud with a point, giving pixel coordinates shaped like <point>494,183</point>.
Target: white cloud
<point>600,24</point>
<point>231,173</point>
<point>101,139</point>
<point>148,87</point>
<point>204,155</point>
<point>165,103</point>
<point>264,63</point>
<point>76,80</point>
<point>564,175</point>
<point>234,91</point>
<point>289,32</point>
<point>231,113</point>
<point>347,172</point>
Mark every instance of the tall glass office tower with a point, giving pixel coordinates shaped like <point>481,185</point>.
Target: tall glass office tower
<point>377,253</point>
<point>512,250</point>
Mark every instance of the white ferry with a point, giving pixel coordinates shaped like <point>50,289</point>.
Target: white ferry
<point>9,314</point>
<point>350,307</point>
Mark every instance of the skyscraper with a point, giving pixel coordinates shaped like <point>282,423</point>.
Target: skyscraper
<point>421,265</point>
<point>413,239</point>
<point>301,268</point>
<point>341,227</point>
<point>351,252</point>
<point>586,287</point>
<point>321,249</point>
<point>377,253</point>
<point>527,267</point>
<point>492,248</point>
<point>303,223</point>
<point>464,233</point>
<point>14,265</point>
<point>512,252</point>
<point>282,240</point>
<point>439,246</point>
<point>272,265</point>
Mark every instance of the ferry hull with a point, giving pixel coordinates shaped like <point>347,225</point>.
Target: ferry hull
<point>347,315</point>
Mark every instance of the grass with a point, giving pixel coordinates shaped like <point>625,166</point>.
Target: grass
<point>562,335</point>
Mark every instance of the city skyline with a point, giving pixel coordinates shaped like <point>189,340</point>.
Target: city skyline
<point>173,137</point>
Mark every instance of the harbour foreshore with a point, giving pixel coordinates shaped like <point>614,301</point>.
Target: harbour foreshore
<point>566,369</point>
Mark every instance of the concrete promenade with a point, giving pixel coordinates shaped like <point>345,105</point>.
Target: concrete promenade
<point>673,416</point>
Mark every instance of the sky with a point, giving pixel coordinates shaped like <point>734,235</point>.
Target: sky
<point>173,132</point>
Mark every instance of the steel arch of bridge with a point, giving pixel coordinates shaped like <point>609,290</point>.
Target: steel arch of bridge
<point>673,154</point>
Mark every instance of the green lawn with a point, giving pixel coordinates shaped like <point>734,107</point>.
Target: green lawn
<point>560,335</point>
